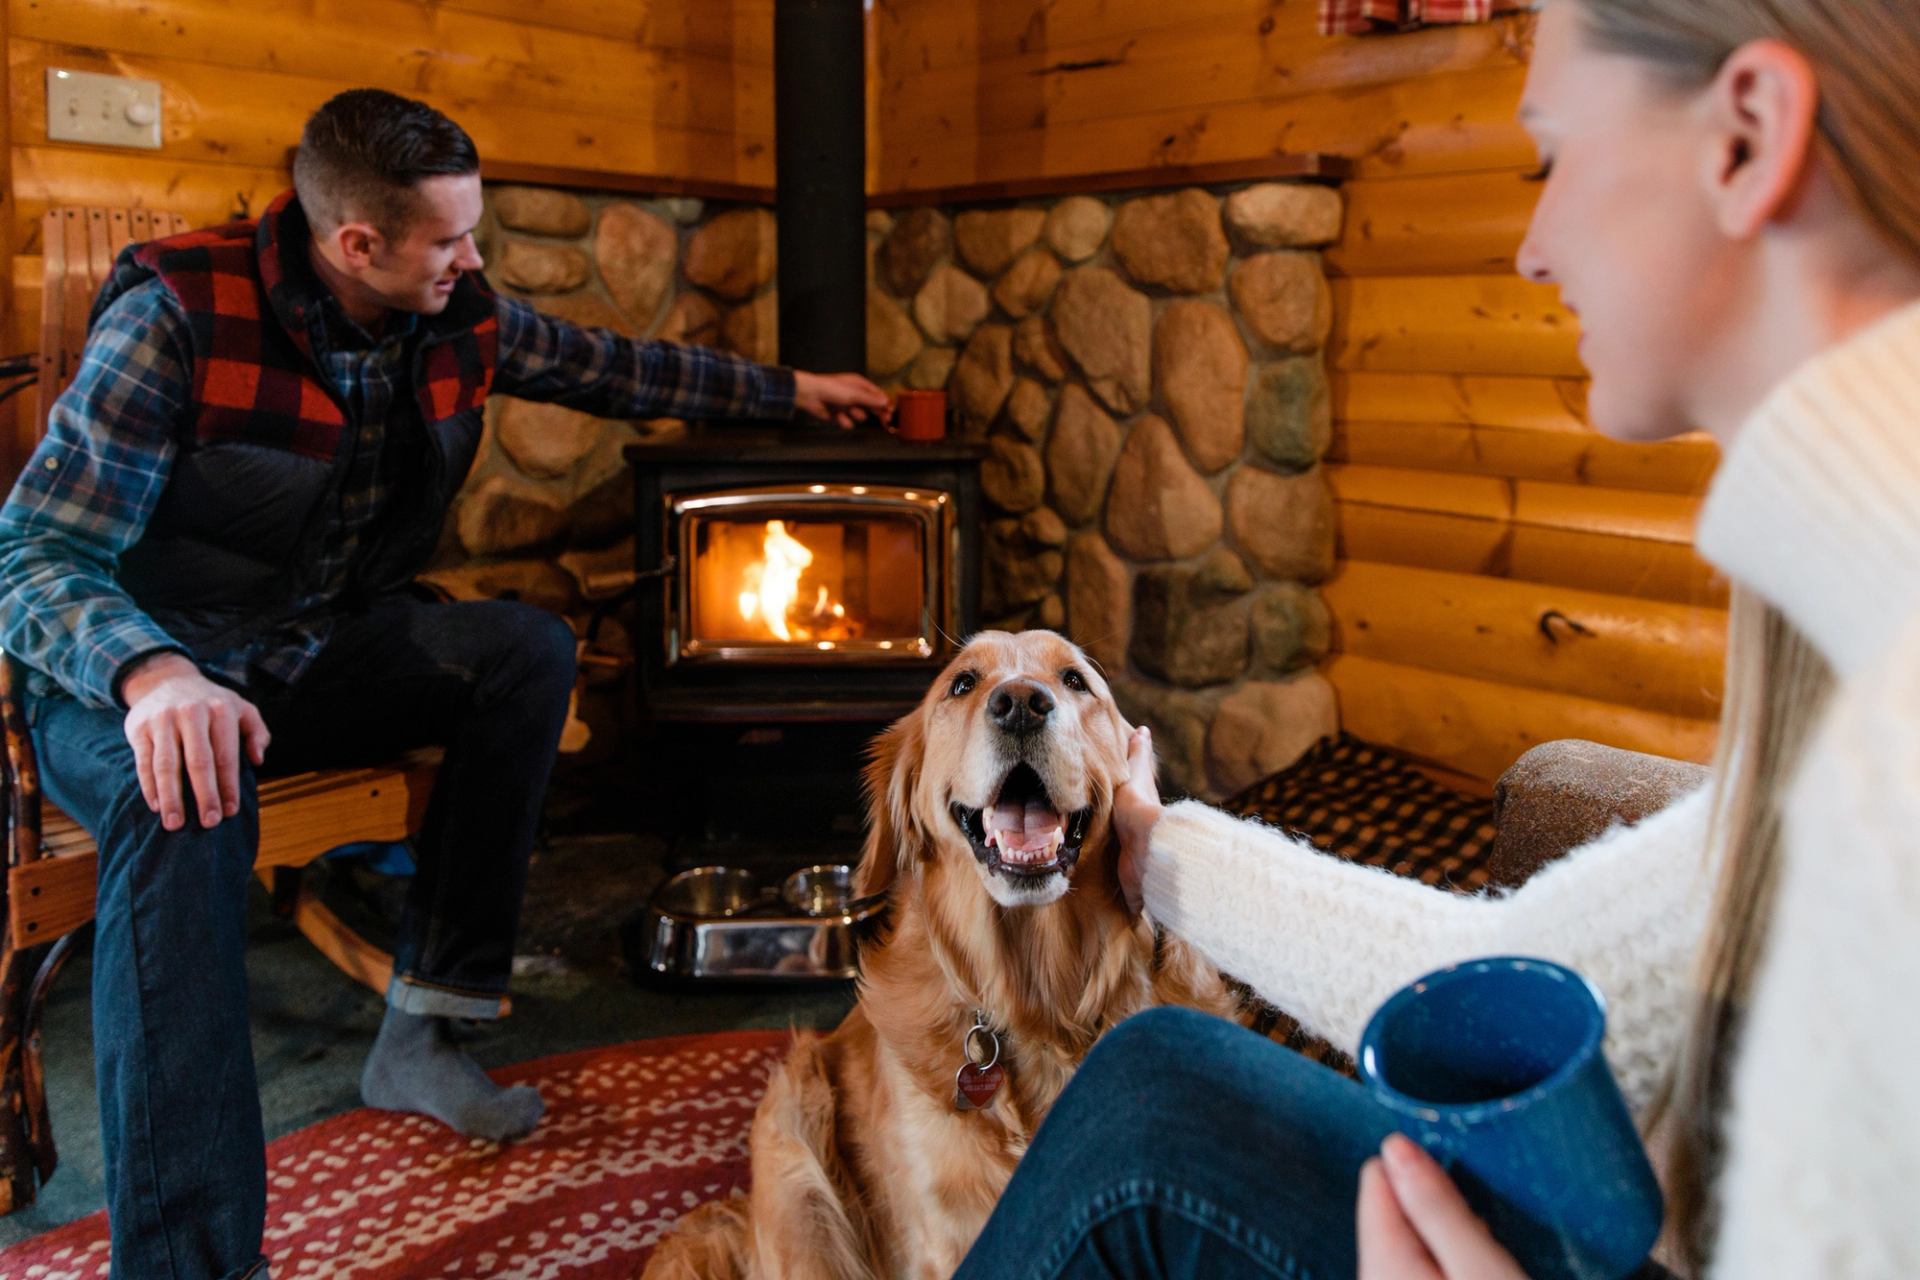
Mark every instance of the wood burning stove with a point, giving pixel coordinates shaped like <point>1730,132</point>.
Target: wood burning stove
<point>798,592</point>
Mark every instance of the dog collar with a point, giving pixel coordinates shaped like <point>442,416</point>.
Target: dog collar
<point>981,1074</point>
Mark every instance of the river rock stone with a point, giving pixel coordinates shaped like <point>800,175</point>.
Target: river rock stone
<point>753,330</point>
<point>1292,627</point>
<point>1051,613</point>
<point>733,254</point>
<point>892,339</point>
<point>1200,365</point>
<point>691,318</point>
<point>1284,523</point>
<point>546,440</point>
<point>988,239</point>
<point>502,515</point>
<point>1284,299</point>
<point>533,581</point>
<point>918,239</point>
<point>543,268</point>
<point>1028,283</point>
<point>1178,718</point>
<point>1106,328</point>
<point>542,211</point>
<point>1028,408</point>
<point>1012,476</point>
<point>951,304</point>
<point>1080,454</point>
<point>685,210</point>
<point>1033,344</point>
<point>931,369</point>
<point>1172,240</point>
<point>1290,412</point>
<point>586,308</point>
<point>637,253</point>
<point>1077,226</point>
<point>1159,507</point>
<point>983,376</point>
<point>1185,632</point>
<point>1265,725</point>
<point>1044,528</point>
<point>1014,572</point>
<point>879,222</point>
<point>1284,215</point>
<point>1099,601</point>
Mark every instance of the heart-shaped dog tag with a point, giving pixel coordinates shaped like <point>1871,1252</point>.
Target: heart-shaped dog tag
<point>974,1085</point>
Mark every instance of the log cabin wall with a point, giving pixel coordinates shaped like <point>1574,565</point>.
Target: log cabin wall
<point>1504,576</point>
<point>661,96</point>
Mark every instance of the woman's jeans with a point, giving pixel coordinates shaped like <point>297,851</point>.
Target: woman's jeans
<point>1187,1148</point>
<point>179,1107</point>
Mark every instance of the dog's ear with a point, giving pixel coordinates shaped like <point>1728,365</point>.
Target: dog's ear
<point>893,768</point>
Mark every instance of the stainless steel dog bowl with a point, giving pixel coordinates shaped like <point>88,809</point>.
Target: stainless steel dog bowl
<point>823,890</point>
<point>709,892</point>
<point>717,923</point>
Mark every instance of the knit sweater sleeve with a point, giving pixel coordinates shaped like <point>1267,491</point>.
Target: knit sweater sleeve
<point>1823,1136</point>
<point>1327,940</point>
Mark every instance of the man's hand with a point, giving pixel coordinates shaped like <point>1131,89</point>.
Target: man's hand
<point>1414,1224</point>
<point>1136,808</point>
<point>840,398</point>
<point>177,717</point>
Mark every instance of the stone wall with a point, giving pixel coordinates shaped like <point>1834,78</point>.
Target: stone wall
<point>1147,372</point>
<point>546,514</point>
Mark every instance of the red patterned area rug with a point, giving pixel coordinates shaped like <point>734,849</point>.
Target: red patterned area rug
<point>634,1136</point>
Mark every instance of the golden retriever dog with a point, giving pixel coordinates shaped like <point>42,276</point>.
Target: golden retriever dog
<point>990,834</point>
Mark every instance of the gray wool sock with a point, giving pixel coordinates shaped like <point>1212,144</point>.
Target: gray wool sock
<point>415,1066</point>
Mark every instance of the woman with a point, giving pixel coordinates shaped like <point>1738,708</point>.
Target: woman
<point>1732,204</point>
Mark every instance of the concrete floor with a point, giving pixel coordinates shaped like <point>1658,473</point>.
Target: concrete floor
<point>312,1027</point>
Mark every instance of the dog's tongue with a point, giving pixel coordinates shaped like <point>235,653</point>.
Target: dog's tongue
<point>1025,827</point>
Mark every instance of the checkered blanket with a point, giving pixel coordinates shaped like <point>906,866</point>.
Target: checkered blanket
<point>1368,804</point>
<point>1354,17</point>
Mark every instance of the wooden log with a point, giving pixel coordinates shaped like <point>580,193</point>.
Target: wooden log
<point>1481,727</point>
<point>1643,653</point>
<point>1204,62</point>
<point>1452,325</point>
<point>1541,404</point>
<point>219,115</point>
<point>450,59</point>
<point>1447,224</point>
<point>1562,557</point>
<point>939,33</point>
<point>740,31</point>
<point>1682,466</point>
<point>15,444</point>
<point>1444,123</point>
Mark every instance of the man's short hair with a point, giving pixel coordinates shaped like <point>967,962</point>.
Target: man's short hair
<point>364,150</point>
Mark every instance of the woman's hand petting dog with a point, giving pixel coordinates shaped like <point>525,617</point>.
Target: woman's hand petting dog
<point>1136,809</point>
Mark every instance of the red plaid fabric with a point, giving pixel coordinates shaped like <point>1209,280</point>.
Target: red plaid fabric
<point>259,381</point>
<point>1356,17</point>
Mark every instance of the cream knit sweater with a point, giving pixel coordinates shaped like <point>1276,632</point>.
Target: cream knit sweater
<point>1816,507</point>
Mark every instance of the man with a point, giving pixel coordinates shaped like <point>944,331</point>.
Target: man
<point>207,563</point>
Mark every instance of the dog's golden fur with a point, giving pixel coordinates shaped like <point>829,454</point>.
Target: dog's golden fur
<point>862,1166</point>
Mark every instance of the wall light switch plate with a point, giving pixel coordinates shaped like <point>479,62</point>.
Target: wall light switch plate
<point>106,111</point>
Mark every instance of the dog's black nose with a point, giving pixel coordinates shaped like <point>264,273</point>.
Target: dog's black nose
<point>1020,706</point>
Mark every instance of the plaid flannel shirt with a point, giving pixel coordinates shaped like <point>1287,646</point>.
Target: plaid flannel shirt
<point>93,482</point>
<point>1355,17</point>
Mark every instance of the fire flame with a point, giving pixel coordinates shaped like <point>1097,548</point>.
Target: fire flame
<point>770,589</point>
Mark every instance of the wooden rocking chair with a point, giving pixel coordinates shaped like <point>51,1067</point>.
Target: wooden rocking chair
<point>51,863</point>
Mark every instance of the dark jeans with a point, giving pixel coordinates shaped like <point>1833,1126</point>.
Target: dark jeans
<point>179,1107</point>
<point>1188,1148</point>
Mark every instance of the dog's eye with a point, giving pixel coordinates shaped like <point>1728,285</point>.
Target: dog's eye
<point>1074,680</point>
<point>962,684</point>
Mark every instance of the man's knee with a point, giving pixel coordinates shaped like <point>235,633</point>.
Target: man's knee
<point>534,649</point>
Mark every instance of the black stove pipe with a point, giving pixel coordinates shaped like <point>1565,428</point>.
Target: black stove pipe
<point>820,161</point>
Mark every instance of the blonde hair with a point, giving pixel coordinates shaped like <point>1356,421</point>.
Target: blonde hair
<point>1864,54</point>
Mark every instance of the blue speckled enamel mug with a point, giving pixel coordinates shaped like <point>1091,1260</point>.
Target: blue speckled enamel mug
<point>1494,1066</point>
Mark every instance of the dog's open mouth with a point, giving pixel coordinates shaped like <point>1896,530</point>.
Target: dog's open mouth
<point>1021,835</point>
